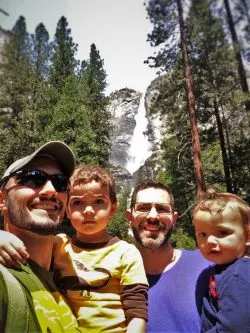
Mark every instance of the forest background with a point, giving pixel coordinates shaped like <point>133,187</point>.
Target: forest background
<point>202,50</point>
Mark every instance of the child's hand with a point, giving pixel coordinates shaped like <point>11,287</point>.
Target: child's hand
<point>12,250</point>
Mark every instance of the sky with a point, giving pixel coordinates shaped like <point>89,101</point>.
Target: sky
<point>118,28</point>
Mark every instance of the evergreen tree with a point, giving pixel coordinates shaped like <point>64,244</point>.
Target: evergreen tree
<point>15,69</point>
<point>118,225</point>
<point>167,15</point>
<point>41,52</point>
<point>217,89</point>
<point>241,69</point>
<point>63,62</point>
<point>242,23</point>
<point>92,85</point>
<point>70,123</point>
<point>16,81</point>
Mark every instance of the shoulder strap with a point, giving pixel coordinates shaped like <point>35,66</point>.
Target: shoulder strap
<point>17,307</point>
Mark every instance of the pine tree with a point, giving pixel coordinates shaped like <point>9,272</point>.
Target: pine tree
<point>15,69</point>
<point>70,123</point>
<point>92,85</point>
<point>235,39</point>
<point>167,15</point>
<point>16,80</point>
<point>217,89</point>
<point>63,62</point>
<point>41,52</point>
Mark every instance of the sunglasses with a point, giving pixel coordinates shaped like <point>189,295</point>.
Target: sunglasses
<point>36,178</point>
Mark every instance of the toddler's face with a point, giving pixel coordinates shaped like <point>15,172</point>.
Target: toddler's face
<point>90,207</point>
<point>222,237</point>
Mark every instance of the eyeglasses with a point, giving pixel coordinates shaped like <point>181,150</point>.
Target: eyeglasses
<point>36,178</point>
<point>143,208</point>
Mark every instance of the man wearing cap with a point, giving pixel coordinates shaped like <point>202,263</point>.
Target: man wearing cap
<point>33,196</point>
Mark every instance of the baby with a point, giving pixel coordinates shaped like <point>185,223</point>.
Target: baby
<point>222,229</point>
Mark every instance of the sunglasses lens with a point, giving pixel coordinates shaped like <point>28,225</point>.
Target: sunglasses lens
<point>36,179</point>
<point>33,178</point>
<point>60,183</point>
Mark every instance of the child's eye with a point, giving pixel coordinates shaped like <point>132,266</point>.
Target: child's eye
<point>99,202</point>
<point>76,203</point>
<point>223,233</point>
<point>202,234</point>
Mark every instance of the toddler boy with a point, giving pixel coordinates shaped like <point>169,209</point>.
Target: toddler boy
<point>222,229</point>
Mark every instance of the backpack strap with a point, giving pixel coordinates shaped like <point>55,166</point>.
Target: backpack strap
<point>17,305</point>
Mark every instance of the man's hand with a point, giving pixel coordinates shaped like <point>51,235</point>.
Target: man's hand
<point>12,250</point>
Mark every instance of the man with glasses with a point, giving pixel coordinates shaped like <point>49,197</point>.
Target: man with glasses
<point>172,273</point>
<point>33,196</point>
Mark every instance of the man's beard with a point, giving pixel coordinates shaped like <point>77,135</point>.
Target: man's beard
<point>153,243</point>
<point>23,220</point>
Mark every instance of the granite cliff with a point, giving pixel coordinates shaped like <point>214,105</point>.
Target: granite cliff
<point>124,107</point>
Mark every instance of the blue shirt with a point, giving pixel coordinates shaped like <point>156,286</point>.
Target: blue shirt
<point>173,296</point>
<point>226,307</point>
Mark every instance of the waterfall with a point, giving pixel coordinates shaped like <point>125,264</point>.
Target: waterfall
<point>139,149</point>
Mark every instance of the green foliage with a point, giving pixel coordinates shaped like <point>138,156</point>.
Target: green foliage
<point>219,101</point>
<point>70,123</point>
<point>223,122</point>
<point>180,239</point>
<point>63,62</point>
<point>213,166</point>
<point>16,86</point>
<point>41,52</point>
<point>44,98</point>
<point>92,86</point>
<point>118,225</point>
<point>163,15</point>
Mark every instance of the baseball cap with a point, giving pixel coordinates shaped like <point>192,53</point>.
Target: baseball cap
<point>58,150</point>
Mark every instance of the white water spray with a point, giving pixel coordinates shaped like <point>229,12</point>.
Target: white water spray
<point>140,148</point>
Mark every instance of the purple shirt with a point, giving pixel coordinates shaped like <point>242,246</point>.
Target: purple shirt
<point>173,298</point>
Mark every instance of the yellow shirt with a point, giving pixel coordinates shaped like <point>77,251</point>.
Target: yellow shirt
<point>94,280</point>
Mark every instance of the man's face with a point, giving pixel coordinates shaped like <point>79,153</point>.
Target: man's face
<point>39,210</point>
<point>152,219</point>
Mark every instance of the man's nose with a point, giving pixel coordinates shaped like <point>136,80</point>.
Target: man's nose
<point>153,214</point>
<point>48,189</point>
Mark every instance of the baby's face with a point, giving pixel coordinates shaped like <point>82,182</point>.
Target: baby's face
<point>221,237</point>
<point>90,207</point>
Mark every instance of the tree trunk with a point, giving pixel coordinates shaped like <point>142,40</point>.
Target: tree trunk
<point>199,178</point>
<point>229,150</point>
<point>241,70</point>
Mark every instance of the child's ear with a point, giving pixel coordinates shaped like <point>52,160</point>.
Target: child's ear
<point>248,236</point>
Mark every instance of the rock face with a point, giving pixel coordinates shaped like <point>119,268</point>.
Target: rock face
<point>155,130</point>
<point>124,180</point>
<point>123,106</point>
